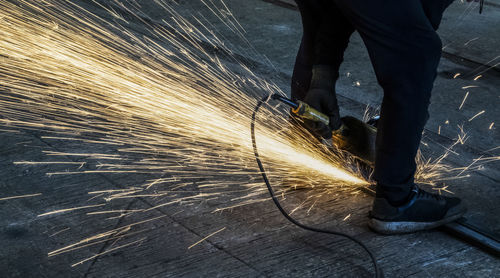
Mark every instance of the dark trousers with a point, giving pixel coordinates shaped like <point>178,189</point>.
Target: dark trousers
<point>404,49</point>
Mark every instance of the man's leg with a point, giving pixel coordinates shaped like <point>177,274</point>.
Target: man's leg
<point>325,37</point>
<point>405,51</point>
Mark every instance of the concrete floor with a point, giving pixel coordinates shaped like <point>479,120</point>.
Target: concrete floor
<point>257,241</point>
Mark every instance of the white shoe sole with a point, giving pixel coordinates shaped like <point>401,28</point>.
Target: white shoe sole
<point>397,227</point>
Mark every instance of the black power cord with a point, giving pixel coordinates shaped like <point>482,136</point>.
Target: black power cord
<point>277,203</point>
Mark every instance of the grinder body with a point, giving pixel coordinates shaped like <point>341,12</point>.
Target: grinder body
<point>354,136</point>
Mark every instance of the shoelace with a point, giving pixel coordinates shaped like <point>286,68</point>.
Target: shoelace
<point>421,194</point>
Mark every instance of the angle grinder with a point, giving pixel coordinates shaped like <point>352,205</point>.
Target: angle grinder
<point>354,136</point>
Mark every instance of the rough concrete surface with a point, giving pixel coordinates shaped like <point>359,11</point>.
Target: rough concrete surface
<point>257,241</point>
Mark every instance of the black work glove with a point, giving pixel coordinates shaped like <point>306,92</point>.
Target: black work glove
<point>321,96</point>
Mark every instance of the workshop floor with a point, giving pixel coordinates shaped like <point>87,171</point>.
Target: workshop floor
<point>255,240</point>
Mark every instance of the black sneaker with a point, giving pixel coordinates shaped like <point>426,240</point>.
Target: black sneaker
<point>423,211</point>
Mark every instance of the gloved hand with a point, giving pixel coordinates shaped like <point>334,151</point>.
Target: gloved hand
<point>321,96</point>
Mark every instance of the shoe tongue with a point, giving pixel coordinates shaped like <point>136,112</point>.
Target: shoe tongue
<point>409,200</point>
<point>403,201</point>
<point>426,194</point>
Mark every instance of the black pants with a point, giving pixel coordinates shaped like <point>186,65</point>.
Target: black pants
<point>404,49</point>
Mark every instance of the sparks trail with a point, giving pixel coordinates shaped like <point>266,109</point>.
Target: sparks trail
<point>180,103</point>
<point>158,104</point>
<point>174,104</point>
<point>20,196</point>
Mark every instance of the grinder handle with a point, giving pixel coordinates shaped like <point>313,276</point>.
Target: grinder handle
<point>307,112</point>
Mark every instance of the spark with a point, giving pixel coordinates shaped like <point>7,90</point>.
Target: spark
<point>443,188</point>
<point>109,251</point>
<point>480,113</point>
<point>462,135</point>
<point>477,77</point>
<point>113,232</point>
<point>205,238</point>
<point>61,231</point>
<point>9,130</point>
<point>47,163</point>
<point>20,196</point>
<point>471,40</point>
<point>492,149</point>
<point>311,207</point>
<point>69,209</point>
<point>469,166</point>
<point>113,211</point>
<point>463,101</point>
<point>491,125</point>
<point>80,139</point>
<point>492,66</point>
<point>487,159</point>
<point>134,189</point>
<point>25,142</point>
<point>88,155</point>
<point>347,217</point>
<point>94,172</point>
<point>456,75</point>
<point>470,86</point>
